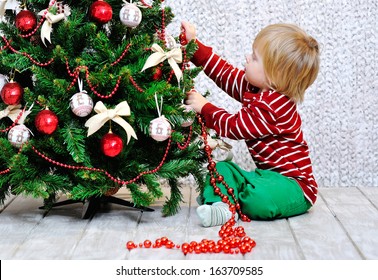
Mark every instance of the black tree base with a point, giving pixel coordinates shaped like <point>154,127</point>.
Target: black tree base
<point>91,205</point>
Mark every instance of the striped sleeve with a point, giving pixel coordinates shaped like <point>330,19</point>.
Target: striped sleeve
<point>248,123</point>
<point>227,77</point>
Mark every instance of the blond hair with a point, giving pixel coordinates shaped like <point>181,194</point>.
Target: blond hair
<point>290,59</point>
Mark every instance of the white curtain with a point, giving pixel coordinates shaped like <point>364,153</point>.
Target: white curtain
<point>340,111</point>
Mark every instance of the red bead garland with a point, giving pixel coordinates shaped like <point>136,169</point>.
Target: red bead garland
<point>111,177</point>
<point>14,123</point>
<point>10,168</point>
<point>187,142</point>
<point>76,74</point>
<point>8,45</point>
<point>233,239</point>
<point>145,4</point>
<point>122,55</point>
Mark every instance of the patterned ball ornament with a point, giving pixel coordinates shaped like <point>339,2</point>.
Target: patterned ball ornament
<point>130,15</point>
<point>46,122</point>
<point>101,12</point>
<point>160,129</point>
<point>12,93</point>
<point>170,42</point>
<point>3,81</point>
<point>26,21</point>
<point>81,104</point>
<point>18,135</point>
<point>111,144</point>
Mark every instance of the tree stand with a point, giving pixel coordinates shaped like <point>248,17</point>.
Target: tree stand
<point>91,205</point>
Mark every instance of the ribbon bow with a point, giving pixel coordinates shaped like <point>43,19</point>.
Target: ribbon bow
<point>104,115</point>
<point>63,13</point>
<point>219,143</point>
<point>173,56</point>
<point>138,4</point>
<point>13,112</point>
<point>2,7</point>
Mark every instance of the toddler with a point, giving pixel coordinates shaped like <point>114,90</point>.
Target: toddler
<point>284,62</point>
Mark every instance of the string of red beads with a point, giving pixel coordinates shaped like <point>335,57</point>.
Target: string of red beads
<point>76,74</point>
<point>10,168</point>
<point>8,45</point>
<point>233,239</point>
<point>14,123</point>
<point>122,55</point>
<point>114,179</point>
<point>145,4</point>
<point>135,84</point>
<point>187,142</point>
<point>162,32</point>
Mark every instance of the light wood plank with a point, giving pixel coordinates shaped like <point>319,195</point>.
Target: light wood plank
<point>320,236</point>
<point>106,234</point>
<point>274,241</point>
<point>348,231</point>
<point>371,194</point>
<point>56,235</point>
<point>153,225</point>
<point>358,217</point>
<point>17,221</point>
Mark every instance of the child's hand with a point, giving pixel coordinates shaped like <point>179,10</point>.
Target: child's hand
<point>189,30</point>
<point>195,100</point>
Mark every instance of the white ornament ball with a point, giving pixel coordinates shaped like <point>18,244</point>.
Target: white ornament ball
<point>18,135</point>
<point>130,15</point>
<point>170,42</point>
<point>3,81</point>
<point>160,129</point>
<point>188,121</point>
<point>81,104</point>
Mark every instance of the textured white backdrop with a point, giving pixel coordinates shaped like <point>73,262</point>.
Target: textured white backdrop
<point>340,111</point>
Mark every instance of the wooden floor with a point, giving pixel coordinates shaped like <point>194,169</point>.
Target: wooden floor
<point>342,225</point>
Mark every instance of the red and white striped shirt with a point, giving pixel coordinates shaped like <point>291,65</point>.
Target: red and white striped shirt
<point>268,122</point>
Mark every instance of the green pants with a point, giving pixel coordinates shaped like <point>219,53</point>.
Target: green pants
<point>262,194</point>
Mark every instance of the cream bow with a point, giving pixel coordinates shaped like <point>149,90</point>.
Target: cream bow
<point>50,20</point>
<point>12,111</point>
<point>138,4</point>
<point>2,7</point>
<point>173,56</point>
<point>104,115</point>
<point>219,143</point>
<point>8,5</point>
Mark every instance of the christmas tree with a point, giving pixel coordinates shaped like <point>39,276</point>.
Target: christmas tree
<point>92,101</point>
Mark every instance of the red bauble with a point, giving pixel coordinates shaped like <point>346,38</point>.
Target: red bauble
<point>158,73</point>
<point>26,21</point>
<point>111,144</point>
<point>46,122</point>
<point>183,40</point>
<point>12,93</point>
<point>101,12</point>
